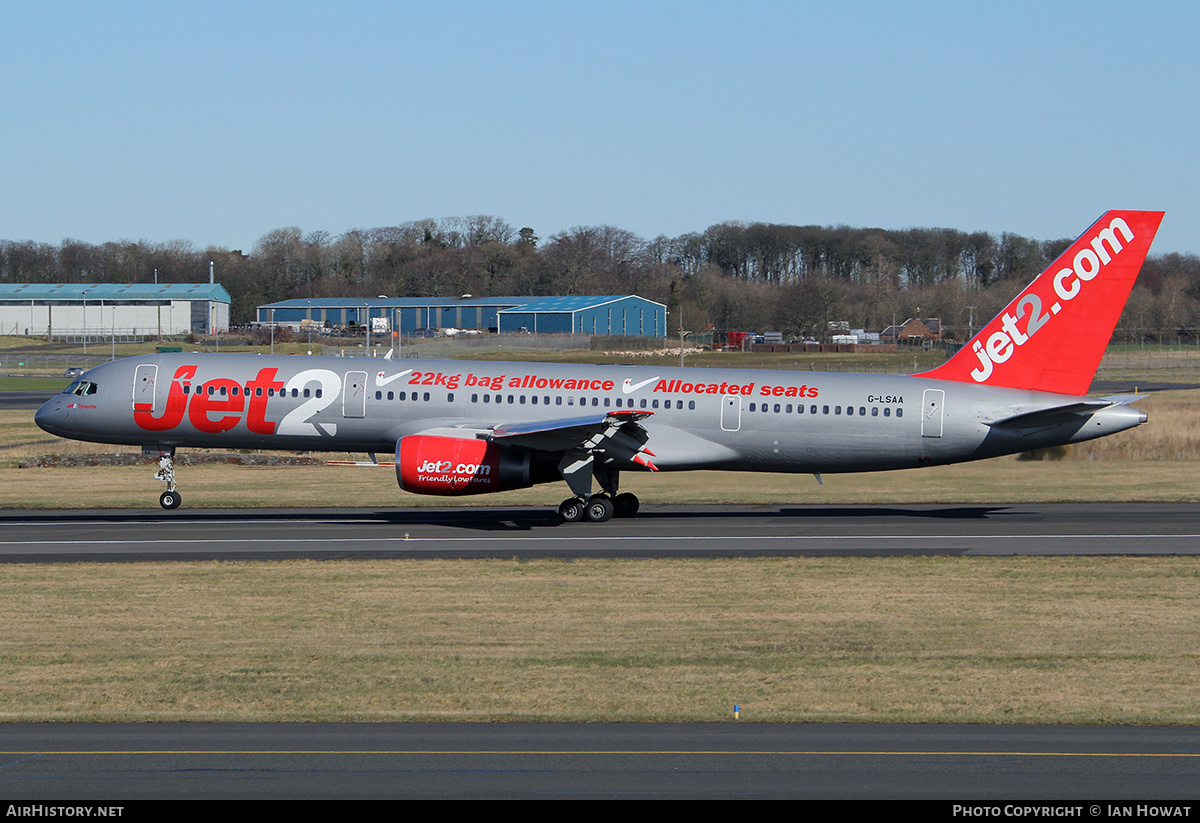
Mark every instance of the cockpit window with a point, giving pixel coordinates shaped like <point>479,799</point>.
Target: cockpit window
<point>82,388</point>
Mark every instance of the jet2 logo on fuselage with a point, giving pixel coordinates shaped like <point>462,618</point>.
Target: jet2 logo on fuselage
<point>232,400</point>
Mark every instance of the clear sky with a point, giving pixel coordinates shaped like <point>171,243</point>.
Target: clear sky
<point>217,122</point>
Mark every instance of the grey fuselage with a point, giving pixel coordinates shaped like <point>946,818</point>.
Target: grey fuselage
<point>734,419</point>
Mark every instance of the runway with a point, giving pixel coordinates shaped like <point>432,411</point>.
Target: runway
<point>1077,766</point>
<point>658,531</point>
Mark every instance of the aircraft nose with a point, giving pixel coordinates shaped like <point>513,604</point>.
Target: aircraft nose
<point>51,415</point>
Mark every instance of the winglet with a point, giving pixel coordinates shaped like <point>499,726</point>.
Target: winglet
<point>1052,335</point>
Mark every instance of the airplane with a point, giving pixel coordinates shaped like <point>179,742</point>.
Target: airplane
<point>462,428</point>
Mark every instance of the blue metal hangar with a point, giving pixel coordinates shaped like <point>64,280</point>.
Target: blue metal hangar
<point>594,314</point>
<point>103,309</point>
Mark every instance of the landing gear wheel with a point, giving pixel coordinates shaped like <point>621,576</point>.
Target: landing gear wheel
<point>170,500</point>
<point>599,508</point>
<point>626,505</point>
<point>571,510</point>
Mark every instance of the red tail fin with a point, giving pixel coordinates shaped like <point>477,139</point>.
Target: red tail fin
<point>1052,336</point>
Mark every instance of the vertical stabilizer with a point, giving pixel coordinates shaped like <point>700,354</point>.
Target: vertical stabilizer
<point>1052,335</point>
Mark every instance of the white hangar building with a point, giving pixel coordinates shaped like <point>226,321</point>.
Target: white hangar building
<point>101,310</point>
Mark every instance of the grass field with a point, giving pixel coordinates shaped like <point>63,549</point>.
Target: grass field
<point>1010,640</point>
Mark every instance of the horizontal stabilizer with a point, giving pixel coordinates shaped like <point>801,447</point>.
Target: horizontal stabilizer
<point>1124,399</point>
<point>1056,414</point>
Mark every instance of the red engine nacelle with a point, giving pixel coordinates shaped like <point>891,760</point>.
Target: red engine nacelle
<point>428,464</point>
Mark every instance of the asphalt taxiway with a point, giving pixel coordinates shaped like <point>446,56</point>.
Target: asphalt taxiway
<point>658,531</point>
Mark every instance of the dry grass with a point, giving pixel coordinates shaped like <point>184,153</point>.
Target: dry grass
<point>1172,433</point>
<point>1000,480</point>
<point>928,640</point>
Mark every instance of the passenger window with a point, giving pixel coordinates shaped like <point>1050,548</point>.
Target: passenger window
<point>692,404</point>
<point>887,412</point>
<point>899,412</point>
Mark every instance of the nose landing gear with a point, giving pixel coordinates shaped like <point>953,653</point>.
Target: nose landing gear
<point>171,498</point>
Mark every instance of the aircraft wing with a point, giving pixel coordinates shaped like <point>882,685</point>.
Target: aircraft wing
<point>614,435</point>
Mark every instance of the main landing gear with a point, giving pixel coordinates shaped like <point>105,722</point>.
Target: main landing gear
<point>579,469</point>
<point>598,508</point>
<point>170,499</point>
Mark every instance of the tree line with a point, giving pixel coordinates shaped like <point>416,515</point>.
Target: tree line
<point>733,275</point>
